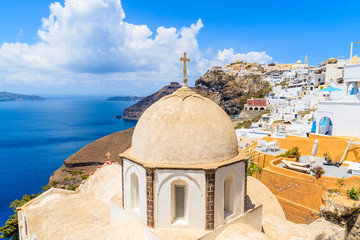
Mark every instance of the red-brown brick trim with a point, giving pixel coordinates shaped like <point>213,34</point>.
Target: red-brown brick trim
<point>245,187</point>
<point>150,196</point>
<point>209,199</point>
<point>123,181</point>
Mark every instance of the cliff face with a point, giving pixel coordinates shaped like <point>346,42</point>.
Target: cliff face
<point>7,96</point>
<point>135,111</point>
<point>230,91</point>
<point>80,164</point>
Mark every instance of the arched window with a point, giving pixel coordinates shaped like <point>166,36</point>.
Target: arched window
<point>134,192</point>
<point>228,196</point>
<point>179,203</point>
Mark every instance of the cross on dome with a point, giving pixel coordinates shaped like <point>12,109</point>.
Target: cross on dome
<point>184,59</point>
<point>108,155</point>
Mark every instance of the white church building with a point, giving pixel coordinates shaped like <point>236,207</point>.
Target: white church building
<point>184,168</point>
<point>184,177</point>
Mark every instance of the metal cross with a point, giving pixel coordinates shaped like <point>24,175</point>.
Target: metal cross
<point>184,59</point>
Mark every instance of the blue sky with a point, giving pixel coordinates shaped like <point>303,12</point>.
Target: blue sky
<point>108,47</point>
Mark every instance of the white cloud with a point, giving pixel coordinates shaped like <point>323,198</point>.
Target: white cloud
<point>88,40</point>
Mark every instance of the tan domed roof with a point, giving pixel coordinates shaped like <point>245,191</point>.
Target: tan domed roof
<point>184,128</point>
<point>298,62</point>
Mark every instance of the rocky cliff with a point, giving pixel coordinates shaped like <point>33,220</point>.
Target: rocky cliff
<point>8,96</point>
<point>79,165</point>
<point>135,111</point>
<point>231,91</point>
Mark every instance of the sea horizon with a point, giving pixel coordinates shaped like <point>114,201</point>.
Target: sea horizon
<point>37,136</point>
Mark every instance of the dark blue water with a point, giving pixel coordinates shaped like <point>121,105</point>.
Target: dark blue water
<point>37,136</point>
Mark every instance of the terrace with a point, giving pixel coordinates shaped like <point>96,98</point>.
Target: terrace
<point>330,171</point>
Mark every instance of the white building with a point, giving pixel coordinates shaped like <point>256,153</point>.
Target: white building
<point>334,69</point>
<point>183,157</point>
<point>341,117</point>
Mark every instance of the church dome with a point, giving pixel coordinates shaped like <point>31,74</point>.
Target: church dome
<point>184,128</point>
<point>298,62</point>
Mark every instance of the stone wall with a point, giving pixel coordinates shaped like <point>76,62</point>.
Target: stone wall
<point>353,227</point>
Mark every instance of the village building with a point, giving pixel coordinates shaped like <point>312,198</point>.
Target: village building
<point>256,104</point>
<point>336,116</point>
<point>334,70</point>
<point>216,68</point>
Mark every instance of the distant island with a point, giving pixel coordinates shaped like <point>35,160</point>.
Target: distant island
<point>8,96</point>
<point>126,98</point>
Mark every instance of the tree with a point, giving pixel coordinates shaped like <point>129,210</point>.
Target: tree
<point>272,64</point>
<point>11,228</point>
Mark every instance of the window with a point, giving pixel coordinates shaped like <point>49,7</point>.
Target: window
<point>134,192</point>
<point>179,201</point>
<point>228,196</point>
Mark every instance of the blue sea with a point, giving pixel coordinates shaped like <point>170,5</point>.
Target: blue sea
<point>37,136</point>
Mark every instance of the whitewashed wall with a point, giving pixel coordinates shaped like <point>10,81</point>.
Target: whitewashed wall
<point>130,167</point>
<point>195,211</point>
<point>237,170</point>
<point>344,116</point>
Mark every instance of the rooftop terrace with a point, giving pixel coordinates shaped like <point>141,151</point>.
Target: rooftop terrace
<point>330,171</point>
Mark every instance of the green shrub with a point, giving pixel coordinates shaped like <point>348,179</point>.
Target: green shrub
<point>77,172</point>
<point>333,191</point>
<point>50,185</point>
<point>326,154</point>
<point>318,170</point>
<point>292,153</point>
<point>254,168</point>
<point>340,183</point>
<point>11,228</point>
<point>85,176</point>
<point>353,194</point>
<point>73,188</point>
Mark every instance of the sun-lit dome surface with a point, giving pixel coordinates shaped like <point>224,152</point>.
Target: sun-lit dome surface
<point>298,62</point>
<point>184,128</point>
